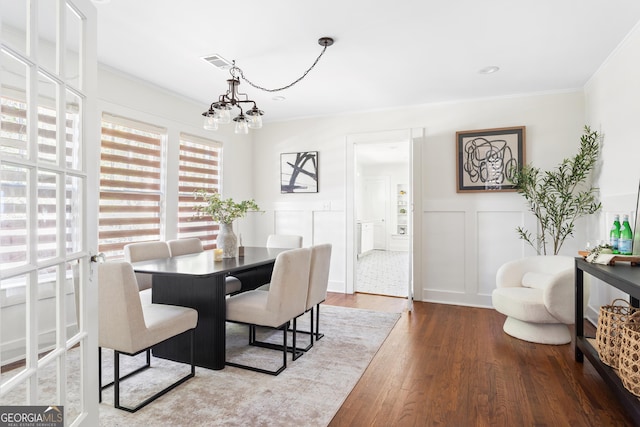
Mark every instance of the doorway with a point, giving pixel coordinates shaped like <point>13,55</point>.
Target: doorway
<point>382,179</point>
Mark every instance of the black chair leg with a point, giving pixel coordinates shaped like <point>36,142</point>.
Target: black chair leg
<point>253,341</point>
<point>318,334</point>
<point>118,379</point>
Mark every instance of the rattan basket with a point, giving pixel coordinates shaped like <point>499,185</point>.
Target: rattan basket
<point>629,365</point>
<point>609,331</point>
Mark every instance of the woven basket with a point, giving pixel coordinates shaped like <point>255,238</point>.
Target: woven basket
<point>629,365</point>
<point>609,332</point>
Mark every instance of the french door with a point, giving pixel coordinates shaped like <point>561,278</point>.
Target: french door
<point>49,140</point>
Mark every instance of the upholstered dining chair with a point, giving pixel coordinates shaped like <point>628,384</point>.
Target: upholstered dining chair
<point>318,283</point>
<point>253,279</point>
<point>276,308</point>
<point>129,327</point>
<point>194,245</point>
<point>143,251</point>
<point>179,247</point>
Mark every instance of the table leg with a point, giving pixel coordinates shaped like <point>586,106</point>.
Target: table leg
<point>579,321</point>
<point>207,296</point>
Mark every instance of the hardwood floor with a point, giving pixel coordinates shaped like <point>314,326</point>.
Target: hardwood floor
<point>454,366</point>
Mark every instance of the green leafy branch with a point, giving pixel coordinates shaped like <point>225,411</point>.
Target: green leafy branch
<point>222,210</point>
<point>558,197</point>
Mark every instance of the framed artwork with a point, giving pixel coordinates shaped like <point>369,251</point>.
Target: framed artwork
<point>486,159</point>
<point>299,172</point>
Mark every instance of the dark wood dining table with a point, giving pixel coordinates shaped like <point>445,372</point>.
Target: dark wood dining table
<point>198,281</point>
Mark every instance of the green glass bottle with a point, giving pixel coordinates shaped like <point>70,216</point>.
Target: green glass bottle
<point>626,237</point>
<point>614,234</point>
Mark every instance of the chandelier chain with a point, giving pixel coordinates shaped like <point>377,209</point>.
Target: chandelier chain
<point>283,87</point>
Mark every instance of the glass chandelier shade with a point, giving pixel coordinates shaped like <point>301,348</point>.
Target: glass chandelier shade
<point>220,111</point>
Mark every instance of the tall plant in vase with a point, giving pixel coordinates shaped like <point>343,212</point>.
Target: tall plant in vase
<point>224,212</point>
<point>560,196</point>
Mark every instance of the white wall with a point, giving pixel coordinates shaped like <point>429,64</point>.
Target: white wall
<point>465,237</point>
<point>612,107</point>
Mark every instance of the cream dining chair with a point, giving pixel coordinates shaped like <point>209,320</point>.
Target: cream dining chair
<point>179,247</point>
<point>276,308</point>
<point>318,284</point>
<point>194,245</point>
<point>254,279</point>
<point>129,327</point>
<point>143,251</point>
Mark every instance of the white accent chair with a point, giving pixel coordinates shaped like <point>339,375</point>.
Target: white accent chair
<point>143,251</point>
<point>537,295</point>
<point>194,245</point>
<point>129,327</point>
<point>276,308</point>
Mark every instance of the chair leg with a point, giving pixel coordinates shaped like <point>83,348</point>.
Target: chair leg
<point>314,334</point>
<point>254,342</point>
<point>318,334</point>
<point>118,379</point>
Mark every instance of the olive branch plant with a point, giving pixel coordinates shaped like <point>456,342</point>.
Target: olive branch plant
<point>560,196</point>
<point>223,211</point>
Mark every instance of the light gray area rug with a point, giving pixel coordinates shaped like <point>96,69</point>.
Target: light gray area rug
<point>308,393</point>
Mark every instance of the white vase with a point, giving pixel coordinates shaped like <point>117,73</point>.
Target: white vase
<point>227,240</point>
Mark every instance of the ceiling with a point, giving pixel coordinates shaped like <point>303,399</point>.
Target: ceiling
<point>386,54</point>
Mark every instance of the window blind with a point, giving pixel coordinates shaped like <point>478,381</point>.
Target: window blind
<point>131,190</point>
<point>199,168</point>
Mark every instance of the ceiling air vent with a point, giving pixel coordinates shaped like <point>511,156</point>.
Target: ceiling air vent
<point>218,61</point>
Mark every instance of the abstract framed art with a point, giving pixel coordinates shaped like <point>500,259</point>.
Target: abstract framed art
<point>299,172</point>
<point>487,158</point>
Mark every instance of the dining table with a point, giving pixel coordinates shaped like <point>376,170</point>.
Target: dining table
<point>198,281</point>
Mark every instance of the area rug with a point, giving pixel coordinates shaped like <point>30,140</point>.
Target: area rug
<point>308,393</point>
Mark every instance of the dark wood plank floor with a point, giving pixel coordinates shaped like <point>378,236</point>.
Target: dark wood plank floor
<point>454,366</point>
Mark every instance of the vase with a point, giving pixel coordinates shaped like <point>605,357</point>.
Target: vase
<point>227,240</point>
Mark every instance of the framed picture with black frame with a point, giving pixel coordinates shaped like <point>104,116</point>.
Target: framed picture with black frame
<point>487,158</point>
<point>299,172</point>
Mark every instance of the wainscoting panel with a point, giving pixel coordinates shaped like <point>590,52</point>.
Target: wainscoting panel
<point>496,245</point>
<point>329,227</point>
<point>444,251</point>
<point>298,222</point>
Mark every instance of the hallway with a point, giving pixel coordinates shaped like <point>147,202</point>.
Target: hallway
<point>383,273</point>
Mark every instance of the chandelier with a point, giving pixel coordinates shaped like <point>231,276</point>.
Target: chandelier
<point>219,111</point>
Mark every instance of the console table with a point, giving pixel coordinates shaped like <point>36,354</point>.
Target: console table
<point>622,276</point>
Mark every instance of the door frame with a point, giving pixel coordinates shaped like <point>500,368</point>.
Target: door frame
<point>416,138</point>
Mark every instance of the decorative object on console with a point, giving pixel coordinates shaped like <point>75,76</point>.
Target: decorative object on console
<point>560,196</point>
<point>224,212</point>
<point>220,111</point>
<point>611,318</point>
<point>487,159</point>
<point>299,172</point>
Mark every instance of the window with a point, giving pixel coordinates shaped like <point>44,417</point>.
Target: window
<point>16,180</point>
<point>199,168</point>
<point>131,190</point>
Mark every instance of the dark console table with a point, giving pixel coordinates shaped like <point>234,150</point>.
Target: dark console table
<point>622,276</point>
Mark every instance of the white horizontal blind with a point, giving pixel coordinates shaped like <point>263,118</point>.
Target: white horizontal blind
<point>131,190</point>
<point>199,168</point>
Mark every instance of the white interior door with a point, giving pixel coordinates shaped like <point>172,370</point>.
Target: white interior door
<point>48,207</point>
<point>376,208</point>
